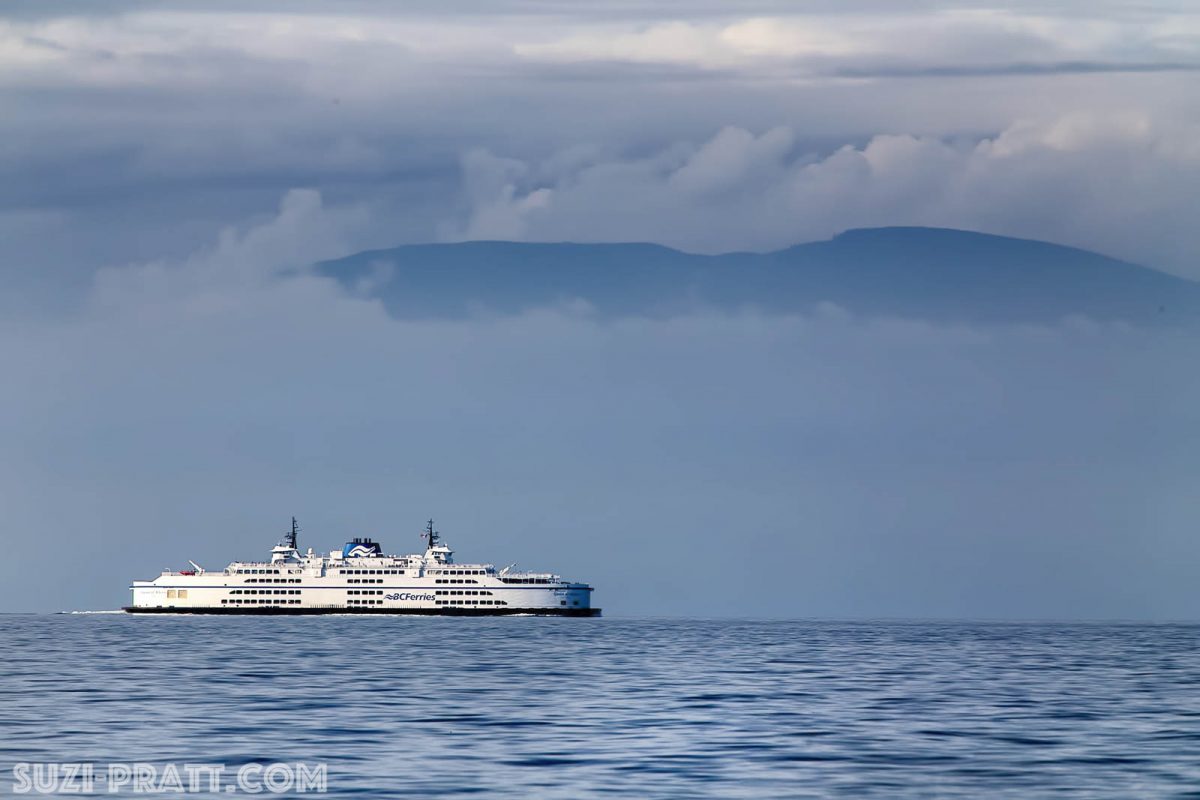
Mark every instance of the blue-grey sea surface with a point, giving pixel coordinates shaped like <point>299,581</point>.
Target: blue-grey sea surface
<point>523,707</point>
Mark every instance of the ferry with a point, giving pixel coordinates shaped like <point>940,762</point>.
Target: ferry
<point>360,579</point>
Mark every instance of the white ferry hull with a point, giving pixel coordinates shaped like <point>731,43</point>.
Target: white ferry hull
<point>428,612</point>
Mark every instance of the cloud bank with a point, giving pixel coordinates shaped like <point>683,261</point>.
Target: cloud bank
<point>133,132</point>
<point>1079,180</point>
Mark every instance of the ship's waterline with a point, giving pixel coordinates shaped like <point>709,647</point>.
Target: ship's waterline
<point>361,579</point>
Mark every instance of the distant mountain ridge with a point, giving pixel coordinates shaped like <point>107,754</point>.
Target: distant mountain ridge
<point>932,273</point>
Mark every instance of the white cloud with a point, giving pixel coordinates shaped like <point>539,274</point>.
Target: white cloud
<point>1114,184</point>
<point>877,42</point>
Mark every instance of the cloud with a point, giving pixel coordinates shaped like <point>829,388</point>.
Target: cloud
<point>142,128</point>
<point>947,41</point>
<point>1114,184</point>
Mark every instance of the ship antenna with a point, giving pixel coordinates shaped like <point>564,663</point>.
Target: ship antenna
<point>290,539</point>
<point>431,534</point>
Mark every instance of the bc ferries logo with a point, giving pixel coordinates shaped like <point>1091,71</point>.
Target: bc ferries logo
<point>408,596</point>
<point>361,548</point>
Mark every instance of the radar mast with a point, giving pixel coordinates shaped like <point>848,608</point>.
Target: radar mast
<point>430,535</point>
<point>290,537</point>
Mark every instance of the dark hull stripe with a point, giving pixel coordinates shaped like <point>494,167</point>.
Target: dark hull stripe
<point>426,612</point>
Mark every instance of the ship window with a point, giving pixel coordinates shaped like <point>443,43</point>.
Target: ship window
<point>183,594</point>
<point>170,594</point>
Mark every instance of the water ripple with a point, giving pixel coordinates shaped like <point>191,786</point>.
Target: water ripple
<point>535,707</point>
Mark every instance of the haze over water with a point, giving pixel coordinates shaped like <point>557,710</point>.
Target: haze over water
<point>549,708</point>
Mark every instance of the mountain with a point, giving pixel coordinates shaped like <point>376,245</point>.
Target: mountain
<point>931,273</point>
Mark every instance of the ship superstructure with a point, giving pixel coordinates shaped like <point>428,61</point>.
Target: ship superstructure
<point>361,579</point>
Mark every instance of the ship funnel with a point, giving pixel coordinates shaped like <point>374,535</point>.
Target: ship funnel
<point>361,548</point>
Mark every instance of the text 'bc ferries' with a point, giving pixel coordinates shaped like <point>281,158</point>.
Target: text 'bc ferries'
<point>360,579</point>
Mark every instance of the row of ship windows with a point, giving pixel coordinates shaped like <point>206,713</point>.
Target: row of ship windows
<point>272,580</point>
<point>365,591</point>
<point>455,580</point>
<point>260,600</point>
<point>367,571</point>
<point>470,602</point>
<point>458,572</point>
<point>258,572</point>
<point>258,591</point>
<point>364,602</point>
<point>463,591</point>
<point>529,580</point>
<point>364,580</point>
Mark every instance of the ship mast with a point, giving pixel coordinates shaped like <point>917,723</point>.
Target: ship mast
<point>430,534</point>
<point>290,536</point>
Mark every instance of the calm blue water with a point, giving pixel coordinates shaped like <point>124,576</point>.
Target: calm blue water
<point>559,708</point>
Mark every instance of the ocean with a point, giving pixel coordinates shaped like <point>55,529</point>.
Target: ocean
<point>523,707</point>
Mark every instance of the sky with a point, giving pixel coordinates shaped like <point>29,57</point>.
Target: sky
<point>177,385</point>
